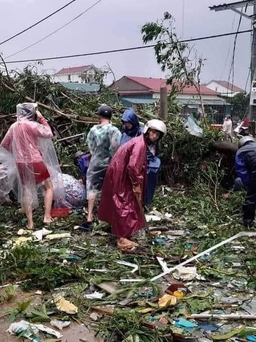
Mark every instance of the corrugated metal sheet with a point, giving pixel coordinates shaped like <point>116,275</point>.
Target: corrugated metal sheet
<point>134,100</point>
<point>82,87</point>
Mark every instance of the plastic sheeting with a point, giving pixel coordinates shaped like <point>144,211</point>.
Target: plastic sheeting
<point>8,174</point>
<point>192,127</point>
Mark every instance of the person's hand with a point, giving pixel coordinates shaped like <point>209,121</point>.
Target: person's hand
<point>39,115</point>
<point>137,191</point>
<point>226,196</point>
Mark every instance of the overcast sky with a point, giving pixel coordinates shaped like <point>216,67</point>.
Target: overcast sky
<point>116,24</point>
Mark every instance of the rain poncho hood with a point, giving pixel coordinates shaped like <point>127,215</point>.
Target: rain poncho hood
<point>26,111</point>
<point>136,130</point>
<point>28,147</point>
<point>130,116</point>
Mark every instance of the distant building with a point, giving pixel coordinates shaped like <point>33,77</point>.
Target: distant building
<point>80,74</point>
<point>225,88</point>
<point>145,90</point>
<point>82,88</point>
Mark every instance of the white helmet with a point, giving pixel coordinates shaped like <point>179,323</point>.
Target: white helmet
<point>245,140</point>
<point>158,125</point>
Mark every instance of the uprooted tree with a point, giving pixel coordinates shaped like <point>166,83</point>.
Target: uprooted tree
<point>71,113</point>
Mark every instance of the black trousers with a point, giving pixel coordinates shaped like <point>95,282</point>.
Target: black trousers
<point>249,205</point>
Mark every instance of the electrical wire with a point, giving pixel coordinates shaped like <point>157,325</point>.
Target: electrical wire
<point>124,49</point>
<point>232,66</point>
<point>229,47</point>
<point>37,23</point>
<point>60,28</point>
<point>247,80</point>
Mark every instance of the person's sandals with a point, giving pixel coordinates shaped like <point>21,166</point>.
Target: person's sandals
<point>49,223</point>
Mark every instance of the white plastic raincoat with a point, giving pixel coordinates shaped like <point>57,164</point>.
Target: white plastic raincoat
<point>33,155</point>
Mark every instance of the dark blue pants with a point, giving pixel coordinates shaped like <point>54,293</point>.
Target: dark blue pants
<point>249,206</point>
<point>151,187</point>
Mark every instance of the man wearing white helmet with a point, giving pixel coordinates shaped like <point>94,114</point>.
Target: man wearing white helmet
<point>123,189</point>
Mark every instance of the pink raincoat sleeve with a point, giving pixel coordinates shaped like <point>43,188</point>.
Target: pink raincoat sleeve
<point>6,142</point>
<point>43,130</point>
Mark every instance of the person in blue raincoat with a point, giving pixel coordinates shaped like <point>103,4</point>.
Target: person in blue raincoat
<point>131,126</point>
<point>245,165</point>
<point>131,129</point>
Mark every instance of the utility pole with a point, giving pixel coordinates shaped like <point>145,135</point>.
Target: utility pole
<point>163,103</point>
<point>237,7</point>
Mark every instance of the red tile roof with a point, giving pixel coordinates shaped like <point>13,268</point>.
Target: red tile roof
<point>74,70</point>
<point>229,86</point>
<point>155,84</point>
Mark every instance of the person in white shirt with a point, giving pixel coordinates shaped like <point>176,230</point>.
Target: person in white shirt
<point>227,126</point>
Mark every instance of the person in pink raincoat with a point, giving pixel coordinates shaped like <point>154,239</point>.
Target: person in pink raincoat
<point>29,142</point>
<point>125,183</point>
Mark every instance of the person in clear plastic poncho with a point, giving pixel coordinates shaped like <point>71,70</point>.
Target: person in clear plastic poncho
<point>103,140</point>
<point>29,142</point>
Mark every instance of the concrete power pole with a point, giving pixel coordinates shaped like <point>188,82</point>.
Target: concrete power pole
<point>235,6</point>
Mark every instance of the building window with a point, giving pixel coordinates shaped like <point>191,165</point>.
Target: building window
<point>69,78</point>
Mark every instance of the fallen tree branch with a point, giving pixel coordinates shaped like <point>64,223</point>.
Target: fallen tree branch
<point>71,137</point>
<point>53,110</point>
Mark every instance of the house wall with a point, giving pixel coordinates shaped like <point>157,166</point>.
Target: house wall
<point>65,78</point>
<point>220,89</point>
<point>89,74</point>
<point>187,97</point>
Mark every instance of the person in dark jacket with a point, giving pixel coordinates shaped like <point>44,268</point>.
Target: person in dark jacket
<point>131,126</point>
<point>245,165</point>
<point>131,129</point>
<point>82,160</point>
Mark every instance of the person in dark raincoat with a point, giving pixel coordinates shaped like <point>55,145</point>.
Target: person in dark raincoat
<point>123,189</point>
<point>132,128</point>
<point>245,165</point>
<point>82,160</point>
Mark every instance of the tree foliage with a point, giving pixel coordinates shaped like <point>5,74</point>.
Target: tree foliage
<point>176,58</point>
<point>240,103</point>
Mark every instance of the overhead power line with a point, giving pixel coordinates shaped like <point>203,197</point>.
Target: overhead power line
<point>37,23</point>
<point>124,49</point>
<point>60,28</point>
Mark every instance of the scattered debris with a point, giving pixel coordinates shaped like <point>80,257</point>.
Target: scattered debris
<point>65,306</point>
<point>95,295</point>
<point>60,324</point>
<point>30,330</point>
